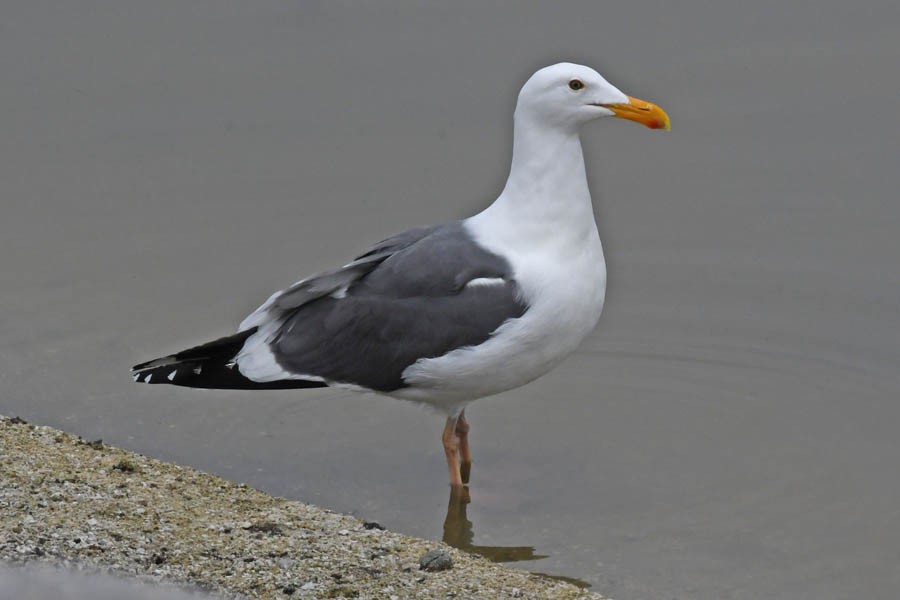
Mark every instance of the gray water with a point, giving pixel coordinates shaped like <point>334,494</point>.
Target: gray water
<point>46,583</point>
<point>727,432</point>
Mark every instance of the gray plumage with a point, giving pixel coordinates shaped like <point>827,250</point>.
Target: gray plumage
<point>330,281</point>
<point>413,303</point>
<point>363,324</point>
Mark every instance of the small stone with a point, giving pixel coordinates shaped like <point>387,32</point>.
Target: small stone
<point>288,590</point>
<point>373,525</point>
<point>125,466</point>
<point>265,527</point>
<point>435,560</point>
<point>309,585</point>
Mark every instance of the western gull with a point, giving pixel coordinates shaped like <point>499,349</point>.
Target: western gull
<point>447,314</point>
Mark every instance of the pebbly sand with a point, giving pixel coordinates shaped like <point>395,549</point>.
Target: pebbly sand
<point>87,506</point>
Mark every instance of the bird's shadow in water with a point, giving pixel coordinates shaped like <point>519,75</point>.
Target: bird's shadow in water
<point>459,533</point>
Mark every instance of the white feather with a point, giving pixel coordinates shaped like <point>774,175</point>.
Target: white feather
<point>485,281</point>
<point>340,292</point>
<point>256,361</point>
<point>259,315</point>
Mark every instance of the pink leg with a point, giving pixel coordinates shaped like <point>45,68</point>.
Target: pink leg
<point>451,450</point>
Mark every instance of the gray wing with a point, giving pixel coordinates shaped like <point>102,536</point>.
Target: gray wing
<point>331,282</point>
<point>405,299</point>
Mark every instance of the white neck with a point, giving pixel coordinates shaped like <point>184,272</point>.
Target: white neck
<point>547,186</point>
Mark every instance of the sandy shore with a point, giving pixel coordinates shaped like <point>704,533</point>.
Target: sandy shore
<point>68,501</point>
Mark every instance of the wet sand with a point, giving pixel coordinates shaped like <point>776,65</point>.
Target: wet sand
<point>728,431</point>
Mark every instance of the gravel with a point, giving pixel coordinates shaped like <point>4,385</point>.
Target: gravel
<point>94,508</point>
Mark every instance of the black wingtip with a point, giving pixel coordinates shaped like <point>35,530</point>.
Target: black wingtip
<point>210,366</point>
<point>214,374</point>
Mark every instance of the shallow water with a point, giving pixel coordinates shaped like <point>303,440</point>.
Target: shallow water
<point>61,584</point>
<point>728,431</point>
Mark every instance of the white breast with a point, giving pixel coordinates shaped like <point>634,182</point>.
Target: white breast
<point>563,281</point>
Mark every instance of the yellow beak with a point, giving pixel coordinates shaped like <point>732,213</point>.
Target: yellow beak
<point>643,112</point>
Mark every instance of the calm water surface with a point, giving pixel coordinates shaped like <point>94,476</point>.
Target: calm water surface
<point>729,430</point>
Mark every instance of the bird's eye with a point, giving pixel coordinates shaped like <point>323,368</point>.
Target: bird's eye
<point>576,84</point>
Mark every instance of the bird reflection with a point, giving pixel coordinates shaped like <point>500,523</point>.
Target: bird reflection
<point>459,533</point>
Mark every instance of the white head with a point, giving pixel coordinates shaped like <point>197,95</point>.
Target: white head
<point>567,95</point>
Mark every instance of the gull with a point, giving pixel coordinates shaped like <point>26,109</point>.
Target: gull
<point>447,314</point>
